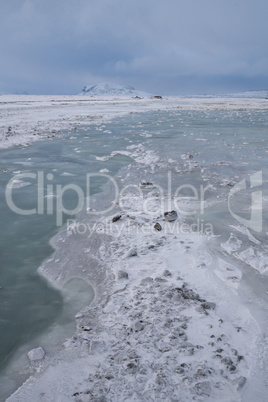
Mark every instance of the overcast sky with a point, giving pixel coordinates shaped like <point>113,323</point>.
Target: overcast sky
<point>162,46</point>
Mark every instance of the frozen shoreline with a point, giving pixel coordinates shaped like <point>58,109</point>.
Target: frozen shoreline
<point>28,118</point>
<point>164,328</point>
<point>153,331</point>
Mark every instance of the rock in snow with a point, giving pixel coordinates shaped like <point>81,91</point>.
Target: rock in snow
<point>122,275</point>
<point>158,227</point>
<point>171,216</point>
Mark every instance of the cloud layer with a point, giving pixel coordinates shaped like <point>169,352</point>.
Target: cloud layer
<point>172,46</point>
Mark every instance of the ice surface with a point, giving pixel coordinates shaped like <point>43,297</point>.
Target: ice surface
<point>25,119</point>
<point>171,318</point>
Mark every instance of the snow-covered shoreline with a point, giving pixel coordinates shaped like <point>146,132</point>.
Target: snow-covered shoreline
<point>165,323</point>
<point>165,328</point>
<point>28,118</point>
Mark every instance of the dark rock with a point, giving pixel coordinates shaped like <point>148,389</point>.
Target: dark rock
<point>86,328</point>
<point>122,275</point>
<point>158,227</point>
<point>131,367</point>
<point>166,273</point>
<point>116,218</point>
<point>158,97</point>
<point>171,216</point>
<point>208,305</point>
<point>232,368</point>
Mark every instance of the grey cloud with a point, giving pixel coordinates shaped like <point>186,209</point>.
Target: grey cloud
<point>58,46</point>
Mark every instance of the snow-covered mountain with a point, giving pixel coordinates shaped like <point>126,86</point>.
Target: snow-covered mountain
<point>108,89</point>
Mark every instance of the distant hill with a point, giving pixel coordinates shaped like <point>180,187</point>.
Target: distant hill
<point>108,89</point>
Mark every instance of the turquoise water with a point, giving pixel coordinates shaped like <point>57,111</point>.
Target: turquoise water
<point>226,147</point>
<point>197,148</point>
<point>28,304</point>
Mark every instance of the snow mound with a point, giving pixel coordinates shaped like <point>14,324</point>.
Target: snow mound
<point>107,89</point>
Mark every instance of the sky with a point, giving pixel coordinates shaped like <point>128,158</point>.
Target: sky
<point>168,47</point>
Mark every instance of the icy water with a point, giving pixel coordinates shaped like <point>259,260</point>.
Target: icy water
<point>28,304</point>
<point>215,160</point>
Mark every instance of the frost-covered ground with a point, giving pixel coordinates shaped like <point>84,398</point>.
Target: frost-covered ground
<point>27,118</point>
<point>167,323</point>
